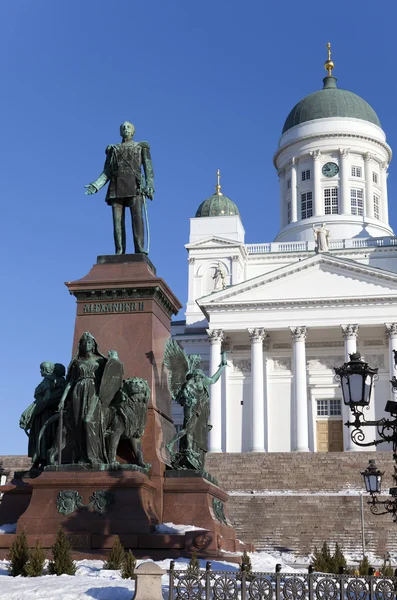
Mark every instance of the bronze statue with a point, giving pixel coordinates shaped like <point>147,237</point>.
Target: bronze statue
<point>82,405</point>
<point>33,420</point>
<point>126,418</point>
<point>128,188</point>
<point>189,386</point>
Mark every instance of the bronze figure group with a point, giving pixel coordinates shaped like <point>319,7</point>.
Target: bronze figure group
<point>98,408</point>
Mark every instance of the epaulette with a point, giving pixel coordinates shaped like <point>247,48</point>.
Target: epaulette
<point>144,145</point>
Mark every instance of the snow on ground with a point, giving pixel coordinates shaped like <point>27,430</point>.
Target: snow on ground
<point>93,582</point>
<point>348,491</point>
<point>169,528</point>
<point>8,528</point>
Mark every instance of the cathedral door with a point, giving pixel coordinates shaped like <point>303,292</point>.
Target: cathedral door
<point>329,427</point>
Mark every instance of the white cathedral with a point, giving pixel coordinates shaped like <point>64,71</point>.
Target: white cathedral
<point>291,310</point>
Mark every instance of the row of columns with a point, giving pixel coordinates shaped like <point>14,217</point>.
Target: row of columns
<point>344,187</point>
<point>259,341</point>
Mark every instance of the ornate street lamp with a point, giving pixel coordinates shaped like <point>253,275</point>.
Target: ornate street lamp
<point>357,379</point>
<point>372,478</point>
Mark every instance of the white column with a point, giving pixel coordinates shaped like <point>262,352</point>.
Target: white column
<point>369,188</point>
<point>226,435</point>
<point>294,196</point>
<point>266,348</point>
<point>283,216</point>
<point>300,389</point>
<point>190,294</point>
<point>350,333</point>
<point>391,333</point>
<point>344,165</point>
<point>215,436</point>
<point>385,204</point>
<point>258,406</point>
<point>318,200</point>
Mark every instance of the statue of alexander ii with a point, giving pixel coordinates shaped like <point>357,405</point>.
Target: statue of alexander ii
<point>128,186</point>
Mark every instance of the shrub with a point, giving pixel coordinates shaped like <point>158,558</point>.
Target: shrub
<point>62,562</point>
<point>322,559</point>
<point>338,560</point>
<point>386,569</point>
<point>116,557</point>
<point>194,564</point>
<point>363,566</point>
<point>128,568</point>
<point>36,562</point>
<point>325,562</point>
<point>19,555</point>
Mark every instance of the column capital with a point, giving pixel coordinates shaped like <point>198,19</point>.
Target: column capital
<point>191,260</point>
<point>344,152</point>
<point>391,330</point>
<point>316,155</point>
<point>383,166</point>
<point>299,333</point>
<point>281,173</point>
<point>293,162</point>
<point>257,335</point>
<point>367,157</point>
<point>215,335</point>
<point>235,257</point>
<point>349,332</point>
<point>266,342</point>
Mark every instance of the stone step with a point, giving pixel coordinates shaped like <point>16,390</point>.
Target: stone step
<point>299,519</point>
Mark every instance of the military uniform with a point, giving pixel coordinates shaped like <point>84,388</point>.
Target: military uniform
<point>126,188</point>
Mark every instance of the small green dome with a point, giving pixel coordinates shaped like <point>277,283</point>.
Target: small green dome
<point>217,205</point>
<point>330,102</point>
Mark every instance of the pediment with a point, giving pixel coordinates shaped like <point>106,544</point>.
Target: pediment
<point>321,278</point>
<point>210,242</point>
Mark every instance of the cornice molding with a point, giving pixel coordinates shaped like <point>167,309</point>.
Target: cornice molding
<point>310,303</point>
<point>322,136</point>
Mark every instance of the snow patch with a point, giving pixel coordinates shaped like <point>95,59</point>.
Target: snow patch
<point>8,528</point>
<point>345,492</point>
<point>171,528</point>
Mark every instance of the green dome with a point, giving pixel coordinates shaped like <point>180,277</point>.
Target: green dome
<point>217,205</point>
<point>330,102</point>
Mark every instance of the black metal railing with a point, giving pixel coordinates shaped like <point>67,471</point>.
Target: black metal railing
<point>243,585</point>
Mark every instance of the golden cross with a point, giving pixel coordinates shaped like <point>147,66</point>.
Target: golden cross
<point>329,50</point>
<point>329,65</point>
<point>218,185</point>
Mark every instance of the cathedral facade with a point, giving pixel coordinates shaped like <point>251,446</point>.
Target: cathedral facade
<point>291,310</point>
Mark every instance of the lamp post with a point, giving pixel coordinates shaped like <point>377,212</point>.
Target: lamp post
<point>357,379</point>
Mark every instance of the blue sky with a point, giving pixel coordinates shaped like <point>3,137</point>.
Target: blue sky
<point>208,84</point>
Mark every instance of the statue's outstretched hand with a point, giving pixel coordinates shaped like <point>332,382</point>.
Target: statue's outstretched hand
<point>91,189</point>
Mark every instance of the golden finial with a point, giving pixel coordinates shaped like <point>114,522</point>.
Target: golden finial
<point>329,65</point>
<point>218,185</point>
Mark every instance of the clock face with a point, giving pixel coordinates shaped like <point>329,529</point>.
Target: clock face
<point>330,169</point>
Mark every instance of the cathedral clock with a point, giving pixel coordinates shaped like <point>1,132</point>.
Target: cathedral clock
<point>330,169</point>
